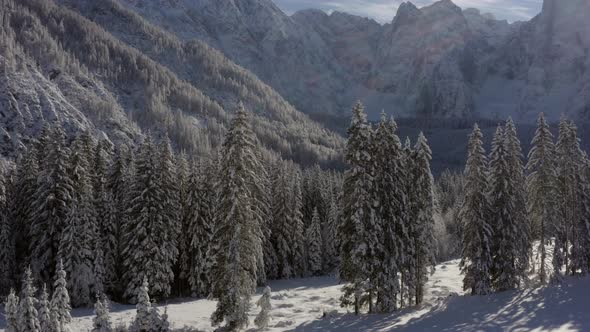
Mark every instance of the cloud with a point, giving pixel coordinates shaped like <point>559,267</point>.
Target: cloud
<point>384,10</point>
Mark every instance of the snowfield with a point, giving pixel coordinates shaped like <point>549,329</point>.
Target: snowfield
<point>312,304</point>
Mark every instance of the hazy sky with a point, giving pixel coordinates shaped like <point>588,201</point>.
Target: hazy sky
<point>384,10</point>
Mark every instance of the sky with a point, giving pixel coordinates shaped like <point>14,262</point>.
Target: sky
<point>383,11</point>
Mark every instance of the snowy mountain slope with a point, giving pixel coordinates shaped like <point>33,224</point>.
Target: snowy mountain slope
<point>436,61</point>
<point>126,86</point>
<point>312,304</point>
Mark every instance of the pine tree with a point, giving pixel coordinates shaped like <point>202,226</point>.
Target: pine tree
<point>7,254</point>
<point>476,254</point>
<point>358,216</point>
<point>143,315</point>
<point>266,215</point>
<point>27,314</point>
<point>542,191</point>
<point>504,226</point>
<point>390,177</point>
<point>314,245</point>
<point>407,261</point>
<point>101,321</point>
<point>421,215</point>
<point>519,197</point>
<point>60,301</point>
<point>263,303</point>
<point>331,239</point>
<point>150,249</point>
<point>21,205</point>
<point>282,214</point>
<point>239,231</point>
<point>45,322</point>
<point>199,223</point>
<point>296,228</point>
<point>51,205</point>
<point>11,312</point>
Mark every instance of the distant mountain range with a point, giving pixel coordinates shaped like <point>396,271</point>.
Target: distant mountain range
<point>122,68</point>
<point>437,61</point>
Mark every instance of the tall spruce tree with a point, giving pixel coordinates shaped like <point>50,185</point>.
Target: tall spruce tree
<point>542,197</point>
<point>389,183</point>
<point>504,224</point>
<point>52,201</point>
<point>359,217</point>
<point>519,197</point>
<point>239,232</point>
<point>281,210</point>
<point>150,249</point>
<point>199,222</point>
<point>80,234</point>
<point>297,226</point>
<point>21,204</point>
<point>476,259</point>
<point>422,215</point>
<point>314,245</point>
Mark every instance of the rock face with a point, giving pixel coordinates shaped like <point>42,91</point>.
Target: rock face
<point>435,61</point>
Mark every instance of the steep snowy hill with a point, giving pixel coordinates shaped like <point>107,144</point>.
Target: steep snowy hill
<point>436,61</point>
<point>97,66</point>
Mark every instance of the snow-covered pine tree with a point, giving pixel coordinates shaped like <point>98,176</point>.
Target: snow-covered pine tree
<point>566,168</point>
<point>505,250</point>
<point>171,208</point>
<point>199,223</point>
<point>143,315</point>
<point>581,249</point>
<point>101,321</point>
<point>149,249</point>
<point>389,187</point>
<point>7,254</point>
<point>358,214</point>
<point>181,273</point>
<point>120,181</point>
<point>519,196</point>
<point>80,234</point>
<point>238,233</point>
<point>266,215</point>
<point>45,322</point>
<point>574,186</point>
<point>407,261</point>
<point>20,208</point>
<point>60,301</point>
<point>28,319</point>
<point>542,197</point>
<point>331,240</point>
<point>314,245</point>
<point>422,211</point>
<point>297,230</point>
<point>476,259</point>
<point>281,210</point>
<point>107,223</point>
<point>263,317</point>
<point>11,312</point>
<point>52,202</point>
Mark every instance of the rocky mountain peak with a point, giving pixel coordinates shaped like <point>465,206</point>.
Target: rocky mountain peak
<point>407,13</point>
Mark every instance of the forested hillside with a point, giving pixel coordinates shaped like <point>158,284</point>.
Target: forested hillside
<point>60,66</point>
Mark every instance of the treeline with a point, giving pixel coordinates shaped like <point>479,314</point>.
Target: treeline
<point>509,206</point>
<point>116,215</point>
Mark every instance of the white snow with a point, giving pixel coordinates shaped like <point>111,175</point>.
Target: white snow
<point>312,304</point>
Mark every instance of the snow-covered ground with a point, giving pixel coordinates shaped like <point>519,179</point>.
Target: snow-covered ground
<point>311,304</point>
